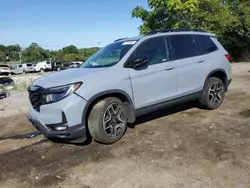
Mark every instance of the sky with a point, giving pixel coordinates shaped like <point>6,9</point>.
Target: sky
<point>53,24</point>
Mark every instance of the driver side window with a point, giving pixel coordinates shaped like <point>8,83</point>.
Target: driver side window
<point>154,50</point>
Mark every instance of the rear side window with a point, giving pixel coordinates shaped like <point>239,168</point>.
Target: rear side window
<point>205,44</point>
<point>29,65</point>
<point>183,46</point>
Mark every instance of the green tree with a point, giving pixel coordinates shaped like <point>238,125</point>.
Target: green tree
<point>70,50</point>
<point>2,53</point>
<point>228,19</point>
<point>34,53</point>
<point>71,57</point>
<point>12,52</point>
<point>2,56</point>
<point>2,48</point>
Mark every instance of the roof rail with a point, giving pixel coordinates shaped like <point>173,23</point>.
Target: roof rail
<point>174,30</point>
<point>119,39</point>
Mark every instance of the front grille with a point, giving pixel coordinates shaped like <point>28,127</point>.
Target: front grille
<point>35,96</point>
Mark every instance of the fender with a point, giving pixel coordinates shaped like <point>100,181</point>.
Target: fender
<point>225,79</point>
<point>128,104</point>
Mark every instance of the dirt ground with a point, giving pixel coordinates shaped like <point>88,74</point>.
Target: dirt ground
<point>177,147</point>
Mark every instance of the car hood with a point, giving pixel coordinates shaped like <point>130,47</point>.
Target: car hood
<point>65,77</point>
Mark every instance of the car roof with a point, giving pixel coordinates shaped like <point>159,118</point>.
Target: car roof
<point>166,33</point>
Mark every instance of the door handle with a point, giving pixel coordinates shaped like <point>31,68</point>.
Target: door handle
<point>169,68</point>
<point>201,61</point>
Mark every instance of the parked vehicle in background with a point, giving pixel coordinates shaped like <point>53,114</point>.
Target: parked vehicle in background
<point>23,68</point>
<point>75,64</point>
<point>65,66</point>
<point>5,70</point>
<point>43,66</point>
<point>56,66</point>
<point>128,78</point>
<point>6,84</point>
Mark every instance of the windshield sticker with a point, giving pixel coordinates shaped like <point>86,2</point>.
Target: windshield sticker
<point>93,63</point>
<point>129,42</point>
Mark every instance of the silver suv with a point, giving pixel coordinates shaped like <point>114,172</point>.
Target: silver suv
<point>128,78</point>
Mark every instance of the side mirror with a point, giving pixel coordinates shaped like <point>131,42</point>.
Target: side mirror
<point>139,63</point>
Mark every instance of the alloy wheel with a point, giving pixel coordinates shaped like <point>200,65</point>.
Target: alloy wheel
<point>114,120</point>
<point>216,91</point>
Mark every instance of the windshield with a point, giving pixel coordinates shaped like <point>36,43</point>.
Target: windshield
<point>109,55</point>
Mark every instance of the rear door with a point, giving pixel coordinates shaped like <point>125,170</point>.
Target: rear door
<point>190,65</point>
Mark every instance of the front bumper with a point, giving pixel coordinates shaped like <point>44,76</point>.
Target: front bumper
<point>62,119</point>
<point>71,133</point>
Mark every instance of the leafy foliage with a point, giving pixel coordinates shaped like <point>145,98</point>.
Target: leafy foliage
<point>35,53</point>
<point>228,19</point>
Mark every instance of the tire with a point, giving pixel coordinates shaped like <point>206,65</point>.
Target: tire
<point>41,70</point>
<point>58,69</point>
<point>213,94</point>
<point>113,110</point>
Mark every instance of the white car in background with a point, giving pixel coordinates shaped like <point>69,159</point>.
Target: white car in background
<point>75,64</point>
<point>43,66</point>
<point>4,70</point>
<point>23,68</point>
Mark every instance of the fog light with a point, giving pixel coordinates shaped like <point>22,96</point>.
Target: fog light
<point>60,128</point>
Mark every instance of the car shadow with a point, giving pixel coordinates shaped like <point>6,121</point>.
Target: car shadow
<point>162,112</point>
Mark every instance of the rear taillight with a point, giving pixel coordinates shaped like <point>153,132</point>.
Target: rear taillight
<point>229,58</point>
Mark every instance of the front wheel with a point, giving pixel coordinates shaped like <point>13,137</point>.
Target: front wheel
<point>107,121</point>
<point>41,70</point>
<point>213,93</point>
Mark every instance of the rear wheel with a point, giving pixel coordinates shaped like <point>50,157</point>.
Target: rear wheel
<point>213,93</point>
<point>107,121</point>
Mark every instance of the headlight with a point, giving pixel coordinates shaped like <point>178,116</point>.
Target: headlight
<point>58,93</point>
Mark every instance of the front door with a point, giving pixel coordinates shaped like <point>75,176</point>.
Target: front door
<point>156,82</point>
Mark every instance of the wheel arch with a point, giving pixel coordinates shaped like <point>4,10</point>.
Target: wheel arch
<point>221,74</point>
<point>122,95</point>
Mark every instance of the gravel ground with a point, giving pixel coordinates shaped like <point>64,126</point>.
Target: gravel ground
<point>178,147</point>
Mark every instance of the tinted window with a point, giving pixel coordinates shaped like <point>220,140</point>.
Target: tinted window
<point>206,44</point>
<point>154,50</point>
<point>183,46</point>
<point>29,65</point>
<point>20,65</point>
